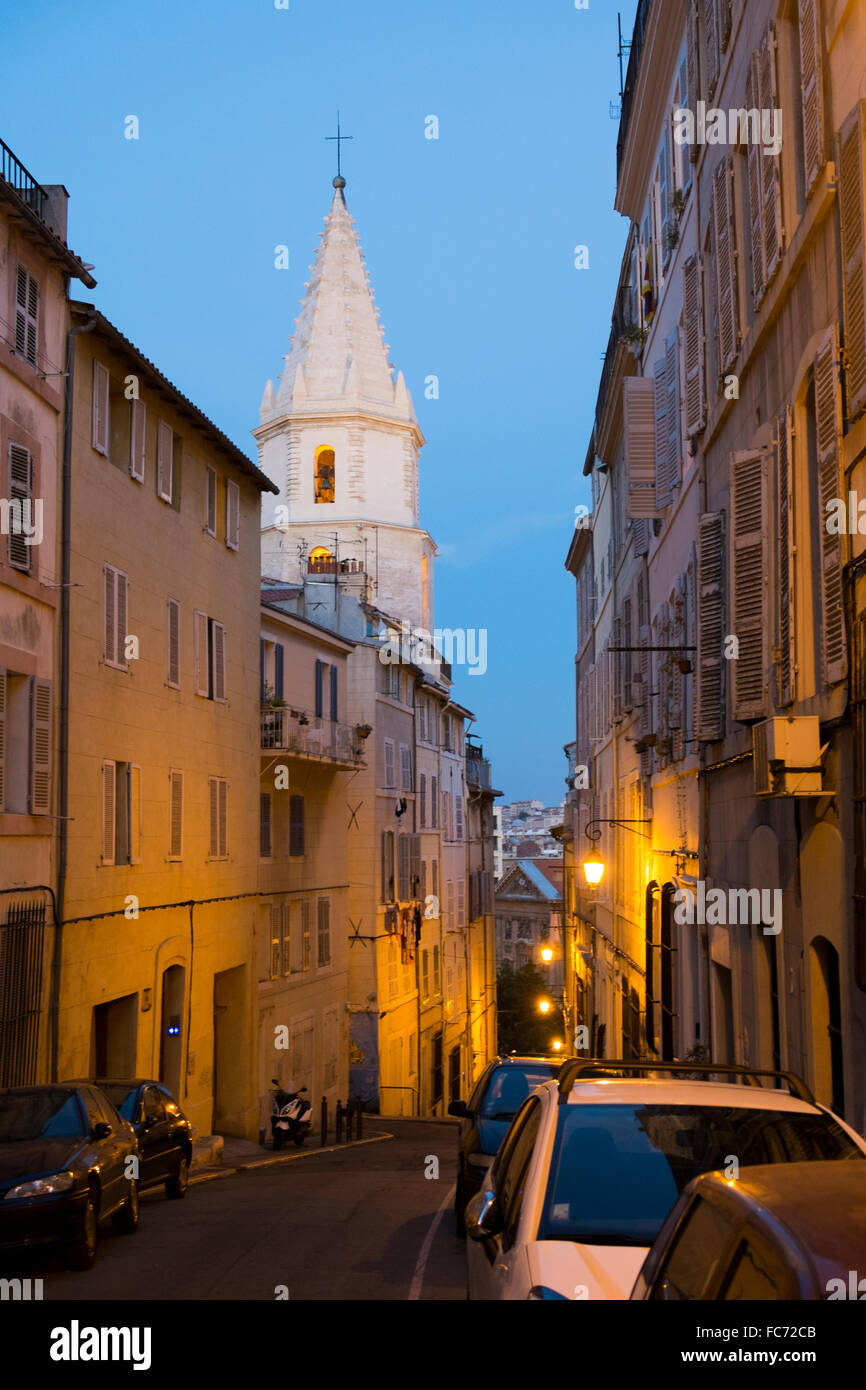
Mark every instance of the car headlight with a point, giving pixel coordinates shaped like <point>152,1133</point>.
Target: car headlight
<point>42,1187</point>
<point>540,1292</point>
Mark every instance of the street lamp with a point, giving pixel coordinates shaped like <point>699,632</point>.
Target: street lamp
<point>557,1045</point>
<point>546,954</point>
<point>593,864</point>
<point>544,1006</point>
<point>593,868</point>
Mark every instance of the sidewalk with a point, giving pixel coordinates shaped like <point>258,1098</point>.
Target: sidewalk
<point>219,1156</point>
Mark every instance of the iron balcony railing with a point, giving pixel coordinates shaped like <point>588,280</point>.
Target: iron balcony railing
<point>478,771</point>
<point>288,730</point>
<point>637,42</point>
<point>13,172</point>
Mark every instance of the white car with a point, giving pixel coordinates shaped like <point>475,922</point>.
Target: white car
<point>593,1163</point>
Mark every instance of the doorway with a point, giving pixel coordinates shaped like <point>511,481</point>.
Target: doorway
<point>115,1035</point>
<point>827,1025</point>
<point>229,1052</point>
<point>171,1029</point>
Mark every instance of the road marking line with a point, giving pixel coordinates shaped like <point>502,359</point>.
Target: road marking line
<point>421,1265</point>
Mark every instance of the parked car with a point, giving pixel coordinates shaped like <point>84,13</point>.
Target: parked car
<point>782,1231</point>
<point>499,1093</point>
<point>163,1131</point>
<point>593,1163</point>
<point>63,1168</point>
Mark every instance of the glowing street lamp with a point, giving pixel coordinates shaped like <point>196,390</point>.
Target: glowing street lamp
<point>547,954</point>
<point>544,1006</point>
<point>593,868</point>
<point>557,1045</point>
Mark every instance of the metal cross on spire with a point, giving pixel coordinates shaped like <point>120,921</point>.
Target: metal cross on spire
<point>339,137</point>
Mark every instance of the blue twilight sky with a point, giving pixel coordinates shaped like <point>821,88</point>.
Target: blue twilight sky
<point>469,240</point>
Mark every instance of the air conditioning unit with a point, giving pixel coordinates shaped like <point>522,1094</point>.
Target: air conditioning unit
<point>787,757</point>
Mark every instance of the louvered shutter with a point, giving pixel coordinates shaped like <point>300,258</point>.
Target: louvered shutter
<point>693,62</point>
<point>110,587</point>
<point>616,670</point>
<point>165,461</point>
<point>213,796</point>
<point>664,180</point>
<point>40,746</point>
<point>640,445</point>
<point>771,168</point>
<point>660,406</point>
<point>99,436</point>
<point>663,681</point>
<point>2,740</point>
<point>678,684</point>
<point>175,843</point>
<point>785,643</point>
<point>319,690</point>
<point>414,864</point>
<point>749,583</point>
<point>20,493</point>
<point>121,591</point>
<point>711,47</point>
<point>27,316</point>
<point>725,23</point>
<point>233,515</point>
<point>756,191</point>
<point>173,624</point>
<point>223,818</point>
<point>641,532</point>
<point>693,345</point>
<point>403,893</point>
<point>458,814</point>
<point>726,268</point>
<point>137,439</point>
<point>109,811</point>
<point>202,672</point>
<point>210,519</point>
<point>672,376</point>
<point>219,661</point>
<point>828,429</point>
<point>851,189</point>
<point>812,80</point>
<point>710,710</point>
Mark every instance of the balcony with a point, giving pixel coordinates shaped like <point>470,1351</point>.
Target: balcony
<point>305,735</point>
<point>12,171</point>
<point>637,42</point>
<point>327,564</point>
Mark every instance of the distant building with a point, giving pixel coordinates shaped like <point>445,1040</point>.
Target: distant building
<point>529,916</point>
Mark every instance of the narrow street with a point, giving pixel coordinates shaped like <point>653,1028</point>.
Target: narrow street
<point>345,1225</point>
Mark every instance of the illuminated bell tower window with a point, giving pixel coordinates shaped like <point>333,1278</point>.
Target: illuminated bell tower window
<point>325,473</point>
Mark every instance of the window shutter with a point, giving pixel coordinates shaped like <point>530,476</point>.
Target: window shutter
<point>640,453</point>
<point>851,181</point>
<point>422,799</point>
<point>137,439</point>
<point>110,613</point>
<point>756,194</point>
<point>219,661</point>
<point>233,515</point>
<point>774,233</point>
<point>334,692</point>
<point>672,469</point>
<point>175,797</point>
<point>213,794</point>
<point>165,461</point>
<point>202,673</point>
<point>616,662</point>
<point>812,80</point>
<point>109,811</point>
<point>265,825</point>
<point>389,763</point>
<point>710,711</point>
<point>749,583</point>
<point>99,437</point>
<point>641,534</point>
<point>210,515</point>
<point>279,670</point>
<point>121,583</point>
<point>20,492</point>
<point>2,740</point>
<point>711,47</point>
<point>663,171</point>
<point>458,810</point>
<point>27,316</point>
<point>319,680</point>
<point>223,802</point>
<point>693,345</point>
<point>660,409</point>
<point>726,268</point>
<point>403,893</point>
<point>692,61</point>
<point>40,746</point>
<point>415,865</point>
<point>173,623</point>
<point>828,428</point>
<point>785,639</point>
<point>434,804</point>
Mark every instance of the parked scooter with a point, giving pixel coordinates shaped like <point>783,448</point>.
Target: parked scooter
<point>290,1116</point>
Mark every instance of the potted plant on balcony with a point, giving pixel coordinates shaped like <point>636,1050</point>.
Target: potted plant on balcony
<point>270,700</point>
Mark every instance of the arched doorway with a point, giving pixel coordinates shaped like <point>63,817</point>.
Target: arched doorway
<point>826,1013</point>
<point>651,939</point>
<point>171,1029</point>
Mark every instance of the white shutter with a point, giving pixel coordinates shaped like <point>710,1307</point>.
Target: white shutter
<point>40,746</point>
<point>137,439</point>
<point>173,626</point>
<point>27,316</point>
<point>660,407</point>
<point>109,811</point>
<point>458,808</point>
<point>749,583</point>
<point>175,815</point>
<point>672,377</point>
<point>210,518</point>
<point>726,266</point>
<point>165,461</point>
<point>771,177</point>
<point>121,591</point>
<point>711,47</point>
<point>99,435</point>
<point>202,672</point>
<point>616,670</point>
<point>828,416</point>
<point>812,80</point>
<point>851,191</point>
<point>219,661</point>
<point>233,515</point>
<point>785,551</point>
<point>21,492</point>
<point>116,586</point>
<point>693,345</point>
<point>692,62</point>
<point>2,740</point>
<point>213,816</point>
<point>134,813</point>
<point>640,452</point>
<point>756,193</point>
<point>710,708</point>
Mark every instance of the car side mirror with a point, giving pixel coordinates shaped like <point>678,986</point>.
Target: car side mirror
<point>458,1108</point>
<point>149,1121</point>
<point>483,1217</point>
<point>101,1130</point>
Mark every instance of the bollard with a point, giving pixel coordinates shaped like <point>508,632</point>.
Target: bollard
<point>323,1137</point>
<point>339,1123</point>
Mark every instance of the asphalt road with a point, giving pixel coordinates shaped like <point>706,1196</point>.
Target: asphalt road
<point>358,1224</point>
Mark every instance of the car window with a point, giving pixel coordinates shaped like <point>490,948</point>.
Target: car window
<point>701,1243</point>
<point>154,1104</point>
<point>509,1086</point>
<point>479,1089</point>
<point>506,1148</point>
<point>513,1182</point>
<point>124,1098</point>
<point>40,1114</point>
<point>756,1272</point>
<point>171,1105</point>
<point>99,1108</point>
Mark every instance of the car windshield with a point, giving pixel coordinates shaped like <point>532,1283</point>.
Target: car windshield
<point>123,1097</point>
<point>509,1087</point>
<point>618,1169</point>
<point>40,1114</point>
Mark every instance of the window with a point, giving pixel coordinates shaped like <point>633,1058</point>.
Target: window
<point>21,523</point>
<point>393,970</point>
<point>218,792</point>
<point>387,866</point>
<point>137,439</point>
<point>693,345</point>
<point>233,516</point>
<point>723,223</point>
<point>446,815</point>
<point>165,462</point>
<point>173,632</point>
<point>99,409</point>
<point>121,813</point>
<point>511,1178</point>
<point>711,587</point>
<point>639,430</point>
<point>210,657</point>
<point>700,1243</point>
<point>434,804</point>
<point>437,972</point>
<point>509,929</point>
<point>389,763</point>
<point>26,315</point>
<point>667,423</point>
<point>175,814</point>
<point>422,799</point>
<point>748,596</point>
<point>461,902</point>
<point>324,931</point>
<point>408,867</point>
<point>425,974</point>
<point>25,743</point>
<point>116,586</point>
<point>405,768</point>
<point>296,826</point>
<point>265,845</point>
<point>306,953</point>
<point>210,505</point>
<point>276,926</point>
<point>458,814</point>
<point>757,1273</point>
<point>325,475</point>
<point>811,79</point>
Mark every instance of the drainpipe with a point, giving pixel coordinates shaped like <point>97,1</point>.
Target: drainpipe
<point>63,732</point>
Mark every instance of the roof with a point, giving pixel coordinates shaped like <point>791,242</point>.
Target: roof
<point>52,243</point>
<point>652,1091</point>
<point>185,405</point>
<point>539,880</point>
<point>322,633</point>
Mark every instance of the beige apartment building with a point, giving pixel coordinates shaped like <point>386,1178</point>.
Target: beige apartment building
<point>36,266</point>
<point>159,859</point>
